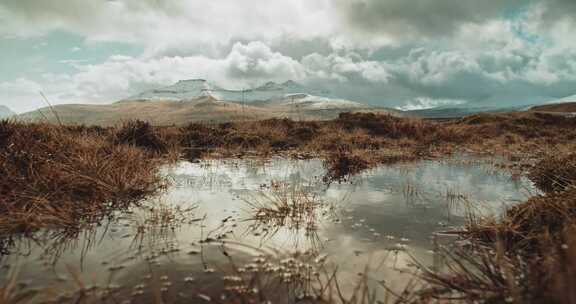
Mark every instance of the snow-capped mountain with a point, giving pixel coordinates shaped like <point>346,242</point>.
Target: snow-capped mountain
<point>288,92</point>
<point>198,100</point>
<point>182,90</point>
<point>5,112</point>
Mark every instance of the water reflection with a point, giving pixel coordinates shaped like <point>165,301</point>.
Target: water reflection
<point>248,228</point>
<point>291,209</point>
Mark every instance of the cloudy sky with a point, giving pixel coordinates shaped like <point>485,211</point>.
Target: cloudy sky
<point>397,53</point>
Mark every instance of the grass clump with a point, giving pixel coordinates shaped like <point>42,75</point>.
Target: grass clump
<point>142,135</point>
<point>54,177</point>
<point>529,256</point>
<point>344,163</point>
<point>554,173</point>
<point>286,205</point>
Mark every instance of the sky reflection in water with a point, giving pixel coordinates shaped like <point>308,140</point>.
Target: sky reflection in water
<point>206,225</point>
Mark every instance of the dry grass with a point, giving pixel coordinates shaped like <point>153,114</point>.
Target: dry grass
<point>555,173</point>
<point>494,274</point>
<point>62,177</point>
<point>529,256</point>
<point>58,175</point>
<point>384,138</point>
<point>344,163</point>
<point>542,217</point>
<point>286,205</point>
<point>140,134</point>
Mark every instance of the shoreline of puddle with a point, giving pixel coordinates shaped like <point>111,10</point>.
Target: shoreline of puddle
<point>221,223</point>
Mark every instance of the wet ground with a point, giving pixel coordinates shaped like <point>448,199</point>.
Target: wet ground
<point>264,230</point>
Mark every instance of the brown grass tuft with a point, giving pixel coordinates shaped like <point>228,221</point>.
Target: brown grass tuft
<point>140,134</point>
<point>52,176</point>
<point>555,173</point>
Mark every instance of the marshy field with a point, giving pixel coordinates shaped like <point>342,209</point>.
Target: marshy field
<point>364,208</point>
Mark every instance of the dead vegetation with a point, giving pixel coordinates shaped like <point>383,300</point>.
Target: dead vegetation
<point>555,173</point>
<point>64,176</point>
<point>288,208</point>
<point>56,176</point>
<point>495,133</point>
<point>529,256</point>
<point>542,218</point>
<point>139,134</point>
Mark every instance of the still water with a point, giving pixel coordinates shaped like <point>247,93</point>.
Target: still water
<point>273,230</point>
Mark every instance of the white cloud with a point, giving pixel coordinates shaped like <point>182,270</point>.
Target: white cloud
<point>389,52</point>
<point>345,67</point>
<point>122,76</point>
<point>24,95</point>
<point>160,25</point>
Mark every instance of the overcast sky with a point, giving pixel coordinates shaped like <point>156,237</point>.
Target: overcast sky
<point>398,53</point>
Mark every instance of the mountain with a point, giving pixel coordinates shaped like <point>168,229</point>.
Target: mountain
<point>496,103</point>
<point>183,90</point>
<point>564,107</point>
<point>512,100</point>
<point>169,112</point>
<point>458,112</point>
<point>198,100</point>
<point>5,112</point>
<point>271,93</point>
<point>195,88</point>
<point>159,112</point>
<point>562,100</point>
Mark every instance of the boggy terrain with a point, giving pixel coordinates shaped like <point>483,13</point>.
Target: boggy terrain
<point>65,176</point>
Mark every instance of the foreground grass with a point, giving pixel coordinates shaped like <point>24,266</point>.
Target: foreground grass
<point>528,256</point>
<point>65,176</point>
<point>54,176</point>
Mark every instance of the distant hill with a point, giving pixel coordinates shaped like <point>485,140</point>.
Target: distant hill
<point>5,112</point>
<point>562,105</point>
<point>198,100</point>
<point>169,112</point>
<point>493,104</point>
<point>566,107</point>
<point>160,112</point>
<point>458,112</point>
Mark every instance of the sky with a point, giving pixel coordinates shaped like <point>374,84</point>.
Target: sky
<point>397,53</point>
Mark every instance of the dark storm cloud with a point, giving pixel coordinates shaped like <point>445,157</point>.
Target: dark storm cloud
<point>429,18</point>
<point>386,52</point>
<point>558,10</point>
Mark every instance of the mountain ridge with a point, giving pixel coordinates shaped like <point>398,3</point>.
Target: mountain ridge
<point>195,100</point>
<point>269,92</point>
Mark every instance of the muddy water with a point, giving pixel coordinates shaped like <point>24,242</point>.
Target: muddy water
<point>220,224</point>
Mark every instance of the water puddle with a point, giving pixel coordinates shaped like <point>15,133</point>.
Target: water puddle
<point>260,230</point>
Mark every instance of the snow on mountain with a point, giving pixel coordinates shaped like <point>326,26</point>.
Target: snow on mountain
<point>5,112</point>
<point>319,102</point>
<point>288,92</point>
<point>182,90</point>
